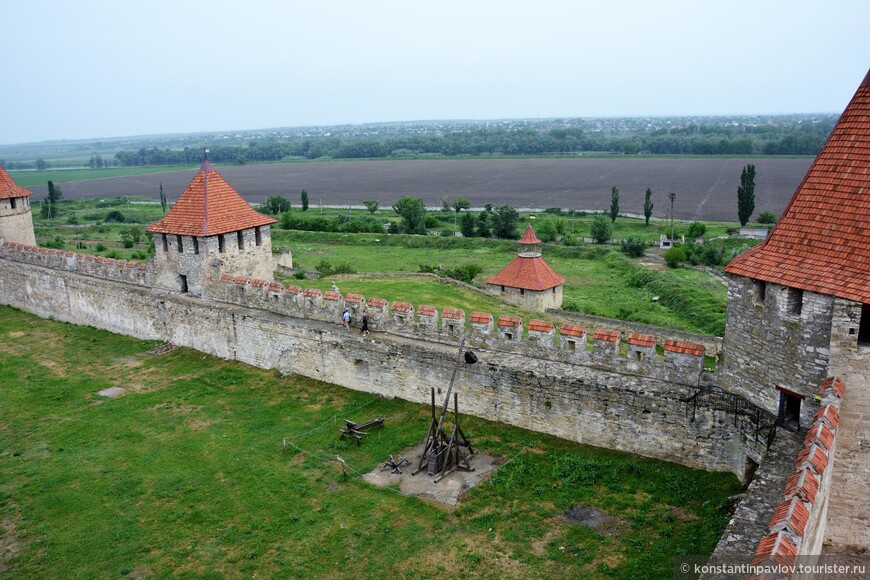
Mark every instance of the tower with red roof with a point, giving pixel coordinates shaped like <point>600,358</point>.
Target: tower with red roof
<point>528,281</point>
<point>16,221</point>
<point>799,302</point>
<point>210,230</point>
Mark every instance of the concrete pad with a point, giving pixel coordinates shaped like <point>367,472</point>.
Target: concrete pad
<point>112,392</point>
<point>448,491</point>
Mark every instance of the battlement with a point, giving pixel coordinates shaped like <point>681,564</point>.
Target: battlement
<point>679,361</point>
<point>86,264</point>
<point>798,521</point>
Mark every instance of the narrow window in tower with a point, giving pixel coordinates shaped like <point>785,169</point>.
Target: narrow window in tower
<point>241,237</point>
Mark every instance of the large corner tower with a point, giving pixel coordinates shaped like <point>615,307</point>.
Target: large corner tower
<point>16,221</point>
<point>799,303</point>
<point>210,230</point>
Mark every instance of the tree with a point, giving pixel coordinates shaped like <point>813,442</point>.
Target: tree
<point>163,200</point>
<point>460,203</point>
<point>276,204</point>
<point>601,229</point>
<point>746,194</point>
<point>304,200</point>
<point>766,217</point>
<point>483,230</point>
<point>413,214</point>
<point>41,164</point>
<point>466,225</point>
<point>504,222</point>
<point>372,205</point>
<point>675,256</point>
<point>614,204</point>
<point>647,205</point>
<point>49,207</point>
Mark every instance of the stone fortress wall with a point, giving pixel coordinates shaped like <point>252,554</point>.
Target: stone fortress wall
<point>583,386</point>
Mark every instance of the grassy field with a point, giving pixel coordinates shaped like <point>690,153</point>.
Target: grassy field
<point>599,279</point>
<point>186,475</point>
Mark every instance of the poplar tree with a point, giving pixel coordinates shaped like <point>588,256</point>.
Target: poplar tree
<point>304,200</point>
<point>746,194</point>
<point>647,205</point>
<point>614,204</point>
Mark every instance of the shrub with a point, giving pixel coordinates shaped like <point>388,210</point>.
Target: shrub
<point>710,254</point>
<point>767,217</point>
<point>696,230</point>
<point>115,216</point>
<point>465,273</point>
<point>675,256</point>
<point>72,221</point>
<point>101,247</point>
<point>546,231</point>
<point>633,247</point>
<point>601,229</point>
<point>554,210</point>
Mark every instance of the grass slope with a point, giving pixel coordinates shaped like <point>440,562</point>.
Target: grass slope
<point>186,476</point>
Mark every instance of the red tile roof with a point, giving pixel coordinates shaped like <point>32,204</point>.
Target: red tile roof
<point>835,383</point>
<point>208,207</point>
<point>607,335</point>
<point>401,307</point>
<point>8,187</point>
<point>377,302</point>
<point>481,317</point>
<point>312,292</point>
<point>293,289</point>
<point>684,347</point>
<point>641,340</point>
<point>813,456</point>
<point>354,298</point>
<point>529,236</point>
<point>803,484</point>
<point>512,321</point>
<point>775,547</point>
<point>572,330</point>
<point>332,295</point>
<point>821,434</point>
<point>424,310</point>
<point>453,314</point>
<point>540,326</point>
<point>791,514</point>
<point>528,273</point>
<point>821,242</point>
<point>829,414</point>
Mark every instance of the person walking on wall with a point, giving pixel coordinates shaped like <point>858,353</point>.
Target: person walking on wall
<point>345,318</point>
<point>365,324</point>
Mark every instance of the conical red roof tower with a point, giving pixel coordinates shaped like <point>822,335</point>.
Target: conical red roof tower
<point>528,271</point>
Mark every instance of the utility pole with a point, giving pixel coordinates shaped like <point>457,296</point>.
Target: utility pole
<point>672,196</point>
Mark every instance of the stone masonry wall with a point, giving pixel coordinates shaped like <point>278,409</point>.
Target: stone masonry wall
<point>563,393</point>
<point>775,336</point>
<point>16,223</point>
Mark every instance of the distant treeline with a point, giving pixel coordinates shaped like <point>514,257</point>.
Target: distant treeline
<point>797,139</point>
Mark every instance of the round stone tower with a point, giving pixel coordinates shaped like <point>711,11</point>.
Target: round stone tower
<point>16,222</point>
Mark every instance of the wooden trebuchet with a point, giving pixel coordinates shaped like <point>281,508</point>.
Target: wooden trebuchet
<point>351,429</point>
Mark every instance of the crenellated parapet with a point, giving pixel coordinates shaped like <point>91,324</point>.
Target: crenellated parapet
<point>86,264</point>
<point>796,527</point>
<point>679,361</point>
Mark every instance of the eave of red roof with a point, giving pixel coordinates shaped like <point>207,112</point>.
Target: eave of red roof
<point>528,273</point>
<point>209,207</point>
<point>821,242</point>
<point>8,187</point>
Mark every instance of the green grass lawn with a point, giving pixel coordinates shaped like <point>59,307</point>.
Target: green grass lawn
<point>186,475</point>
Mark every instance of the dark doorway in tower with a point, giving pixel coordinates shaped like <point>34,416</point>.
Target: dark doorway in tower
<point>864,327</point>
<point>183,283</point>
<point>789,415</point>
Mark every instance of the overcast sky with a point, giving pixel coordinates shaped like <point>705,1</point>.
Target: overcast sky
<point>94,68</point>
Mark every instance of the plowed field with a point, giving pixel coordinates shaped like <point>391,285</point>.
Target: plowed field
<point>705,188</point>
